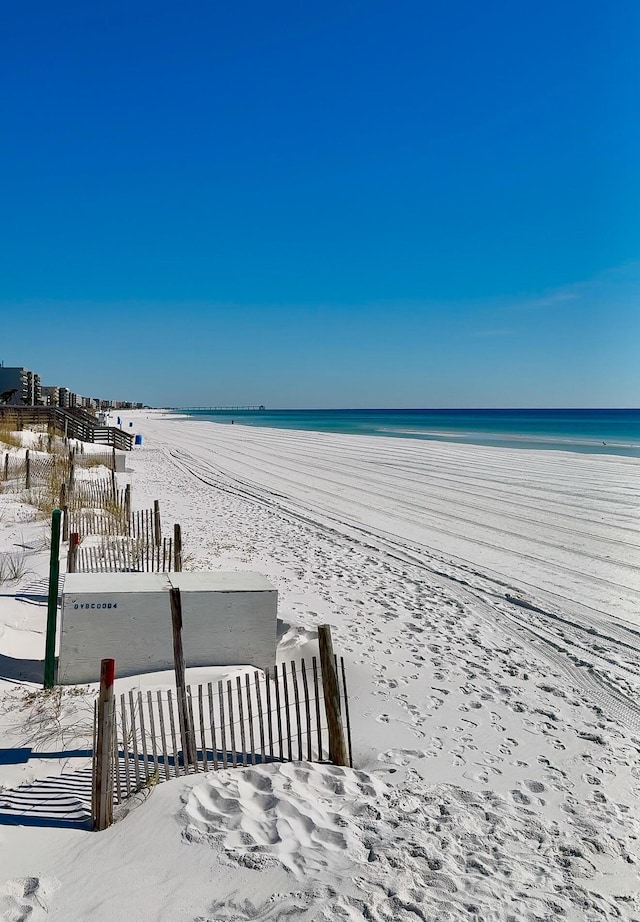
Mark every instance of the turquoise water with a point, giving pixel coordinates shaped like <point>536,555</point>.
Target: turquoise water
<point>601,431</point>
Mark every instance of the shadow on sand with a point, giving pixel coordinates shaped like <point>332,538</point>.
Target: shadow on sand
<point>62,801</point>
<point>21,670</point>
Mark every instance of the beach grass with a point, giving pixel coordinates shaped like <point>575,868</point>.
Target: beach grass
<point>13,566</point>
<point>8,436</point>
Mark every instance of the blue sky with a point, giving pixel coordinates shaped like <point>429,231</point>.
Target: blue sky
<point>336,204</point>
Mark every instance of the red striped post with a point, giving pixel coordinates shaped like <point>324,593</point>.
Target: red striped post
<point>102,801</point>
<point>72,555</point>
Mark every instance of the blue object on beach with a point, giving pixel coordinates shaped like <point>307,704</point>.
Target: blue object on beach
<point>119,420</point>
<point>138,440</point>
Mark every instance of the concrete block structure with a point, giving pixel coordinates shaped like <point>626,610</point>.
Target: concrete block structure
<point>229,619</point>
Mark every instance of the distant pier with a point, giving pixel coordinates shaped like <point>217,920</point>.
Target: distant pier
<point>219,409</point>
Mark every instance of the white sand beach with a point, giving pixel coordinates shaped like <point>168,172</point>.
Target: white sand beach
<point>487,604</point>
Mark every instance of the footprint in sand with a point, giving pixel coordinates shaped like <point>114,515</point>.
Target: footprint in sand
<point>309,821</point>
<point>591,779</point>
<point>435,748</point>
<point>479,775</point>
<point>402,757</point>
<point>25,898</point>
<point>536,787</point>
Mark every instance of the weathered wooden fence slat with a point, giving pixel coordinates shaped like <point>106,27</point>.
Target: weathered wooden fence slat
<point>278,711</point>
<point>125,745</point>
<point>172,734</point>
<point>154,741</point>
<point>345,698</point>
<point>260,715</point>
<point>305,688</point>
<point>205,761</point>
<point>316,689</point>
<point>252,750</point>
<point>134,741</point>
<point>222,724</point>
<point>287,711</point>
<point>269,714</point>
<point>212,724</point>
<point>122,554</point>
<point>165,751</point>
<point>243,744</point>
<point>232,726</point>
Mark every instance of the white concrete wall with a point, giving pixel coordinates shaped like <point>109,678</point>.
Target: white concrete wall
<point>228,619</point>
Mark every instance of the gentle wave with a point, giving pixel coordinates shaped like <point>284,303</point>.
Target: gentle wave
<point>505,436</point>
<point>586,431</point>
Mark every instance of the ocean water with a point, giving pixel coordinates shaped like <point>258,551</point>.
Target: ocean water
<point>592,431</point>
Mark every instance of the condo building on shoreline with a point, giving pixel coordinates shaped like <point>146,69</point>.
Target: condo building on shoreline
<point>22,387</point>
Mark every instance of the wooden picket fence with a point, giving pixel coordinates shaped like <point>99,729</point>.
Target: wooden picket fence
<point>276,716</point>
<point>37,468</point>
<point>132,540</point>
<point>96,458</point>
<point>96,494</point>
<point>12,472</point>
<point>126,555</point>
<point>109,521</point>
<point>32,470</point>
<point>144,524</point>
<point>116,519</point>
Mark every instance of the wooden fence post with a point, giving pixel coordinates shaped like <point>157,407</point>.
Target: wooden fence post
<point>27,470</point>
<point>6,466</point>
<point>157,526</point>
<point>113,459</point>
<point>72,471</point>
<point>337,746</point>
<point>177,548</point>
<point>72,556</point>
<point>127,509</point>
<point>184,713</point>
<point>102,799</point>
<point>65,511</point>
<point>52,604</point>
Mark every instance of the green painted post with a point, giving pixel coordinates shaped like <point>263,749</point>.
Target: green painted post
<point>52,610</point>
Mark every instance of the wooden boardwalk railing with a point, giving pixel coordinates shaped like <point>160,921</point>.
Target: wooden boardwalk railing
<point>277,716</point>
<point>73,423</point>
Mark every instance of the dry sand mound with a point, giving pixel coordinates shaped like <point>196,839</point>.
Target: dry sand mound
<point>390,854</point>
